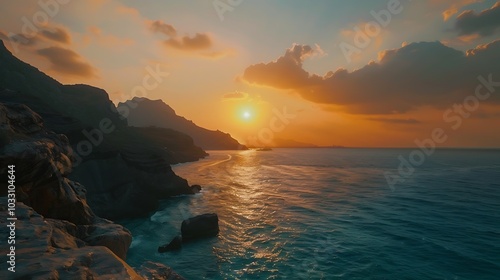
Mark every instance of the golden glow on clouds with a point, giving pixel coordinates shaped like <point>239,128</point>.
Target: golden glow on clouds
<point>113,44</point>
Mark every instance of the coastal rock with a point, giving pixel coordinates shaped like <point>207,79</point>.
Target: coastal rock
<point>48,249</point>
<point>206,225</point>
<point>106,233</point>
<point>44,159</point>
<point>175,244</point>
<point>91,123</point>
<point>195,189</point>
<point>156,271</point>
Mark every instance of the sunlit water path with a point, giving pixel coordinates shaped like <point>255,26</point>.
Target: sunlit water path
<point>329,214</point>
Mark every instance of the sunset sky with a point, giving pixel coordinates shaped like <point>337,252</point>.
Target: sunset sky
<point>343,72</point>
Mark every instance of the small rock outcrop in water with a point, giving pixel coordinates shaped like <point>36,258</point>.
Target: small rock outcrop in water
<point>174,245</point>
<point>206,225</point>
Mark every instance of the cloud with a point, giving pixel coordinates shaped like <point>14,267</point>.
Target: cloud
<point>200,41</point>
<point>455,7</point>
<point>68,62</point>
<point>197,42</point>
<point>395,121</point>
<point>56,34</point>
<point>161,27</point>
<point>485,23</point>
<point>285,73</point>
<point>415,75</point>
<point>235,95</point>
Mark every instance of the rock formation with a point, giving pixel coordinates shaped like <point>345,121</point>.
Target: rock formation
<point>58,249</point>
<point>55,246</point>
<point>155,113</point>
<point>206,225</point>
<point>125,170</point>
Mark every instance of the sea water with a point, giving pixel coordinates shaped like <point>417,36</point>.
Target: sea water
<point>331,214</point>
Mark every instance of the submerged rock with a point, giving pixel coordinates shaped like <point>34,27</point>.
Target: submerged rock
<point>206,225</point>
<point>174,245</point>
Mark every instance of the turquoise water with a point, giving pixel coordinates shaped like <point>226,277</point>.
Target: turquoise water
<point>330,214</point>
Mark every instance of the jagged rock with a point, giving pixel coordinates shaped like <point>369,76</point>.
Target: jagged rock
<point>117,190</point>
<point>206,225</point>
<point>48,249</point>
<point>175,244</point>
<point>44,159</point>
<point>105,233</point>
<point>156,271</point>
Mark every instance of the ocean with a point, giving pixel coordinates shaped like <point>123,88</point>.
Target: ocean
<point>331,214</point>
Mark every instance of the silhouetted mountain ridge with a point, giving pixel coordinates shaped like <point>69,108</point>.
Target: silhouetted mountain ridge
<point>125,170</point>
<point>156,113</point>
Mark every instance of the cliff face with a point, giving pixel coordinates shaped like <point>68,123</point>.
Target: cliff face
<point>156,113</point>
<point>55,226</point>
<point>125,170</point>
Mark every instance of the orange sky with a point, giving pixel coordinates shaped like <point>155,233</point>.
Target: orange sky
<point>377,74</point>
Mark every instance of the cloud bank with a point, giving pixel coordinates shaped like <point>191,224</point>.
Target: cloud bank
<point>68,62</point>
<point>415,75</point>
<point>485,23</point>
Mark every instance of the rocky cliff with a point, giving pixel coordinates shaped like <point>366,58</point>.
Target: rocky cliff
<point>156,113</point>
<point>125,170</point>
<point>57,235</point>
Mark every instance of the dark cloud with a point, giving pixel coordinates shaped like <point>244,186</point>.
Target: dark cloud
<point>395,121</point>
<point>161,27</point>
<point>285,73</point>
<point>200,41</point>
<point>56,34</point>
<point>68,62</point>
<point>197,42</point>
<point>485,23</point>
<point>418,74</point>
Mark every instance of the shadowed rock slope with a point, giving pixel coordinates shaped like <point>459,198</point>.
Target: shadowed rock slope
<point>58,236</point>
<point>126,170</point>
<point>156,113</point>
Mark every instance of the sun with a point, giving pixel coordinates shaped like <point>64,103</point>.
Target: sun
<point>247,115</point>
